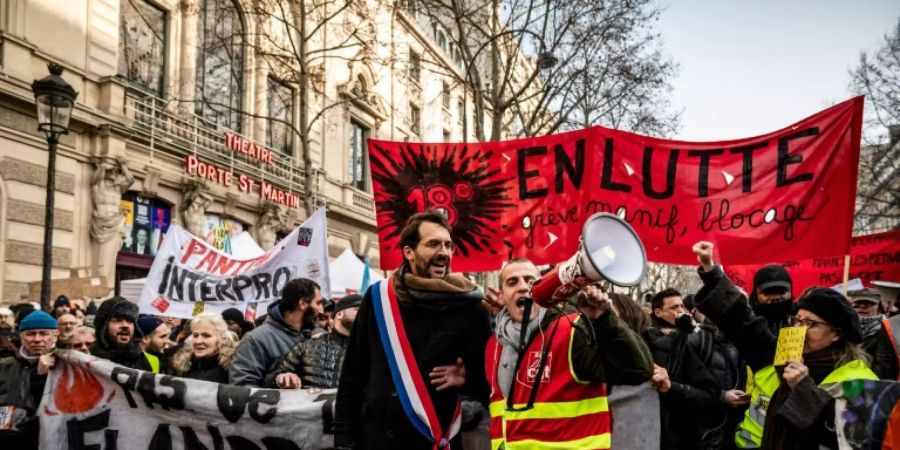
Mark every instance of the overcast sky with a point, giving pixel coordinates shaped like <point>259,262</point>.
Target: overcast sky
<point>750,67</point>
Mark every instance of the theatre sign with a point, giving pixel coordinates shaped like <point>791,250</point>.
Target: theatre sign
<point>245,183</point>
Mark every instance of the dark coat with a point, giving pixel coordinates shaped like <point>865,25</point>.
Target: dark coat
<point>881,349</point>
<point>807,413</point>
<point>21,387</point>
<point>691,408</point>
<point>207,369</point>
<point>317,361</point>
<point>368,414</point>
<point>262,349</point>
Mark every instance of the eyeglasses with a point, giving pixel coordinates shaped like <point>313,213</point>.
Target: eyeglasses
<point>808,323</point>
<point>436,245</point>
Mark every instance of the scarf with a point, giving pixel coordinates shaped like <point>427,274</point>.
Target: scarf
<point>434,293</point>
<point>779,435</point>
<point>870,325</point>
<point>508,333</point>
<point>26,357</point>
<point>776,314</point>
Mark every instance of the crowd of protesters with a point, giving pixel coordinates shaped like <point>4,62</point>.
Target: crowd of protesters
<point>694,372</point>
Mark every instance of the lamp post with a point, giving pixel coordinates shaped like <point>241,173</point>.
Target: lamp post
<point>54,99</point>
<point>545,61</point>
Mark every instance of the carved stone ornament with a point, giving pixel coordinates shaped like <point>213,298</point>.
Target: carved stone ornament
<point>194,204</point>
<point>150,185</point>
<point>272,220</point>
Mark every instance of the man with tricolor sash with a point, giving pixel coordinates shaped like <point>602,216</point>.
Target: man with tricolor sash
<point>554,395</point>
<point>420,319</point>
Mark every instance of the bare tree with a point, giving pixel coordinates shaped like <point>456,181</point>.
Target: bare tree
<point>292,41</point>
<point>878,193</point>
<point>538,66</point>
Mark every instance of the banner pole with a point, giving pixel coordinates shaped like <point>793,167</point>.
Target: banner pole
<point>846,272</point>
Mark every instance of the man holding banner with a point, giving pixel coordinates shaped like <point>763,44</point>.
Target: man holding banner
<point>262,349</point>
<point>420,318</point>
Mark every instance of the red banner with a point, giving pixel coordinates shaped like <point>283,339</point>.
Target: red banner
<point>778,193</point>
<point>872,257</point>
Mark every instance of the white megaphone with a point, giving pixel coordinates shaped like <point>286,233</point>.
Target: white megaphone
<point>610,250</point>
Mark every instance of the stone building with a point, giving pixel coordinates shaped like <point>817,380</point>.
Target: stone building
<point>187,113</point>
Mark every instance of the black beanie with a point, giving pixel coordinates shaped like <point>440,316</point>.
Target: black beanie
<point>833,308</point>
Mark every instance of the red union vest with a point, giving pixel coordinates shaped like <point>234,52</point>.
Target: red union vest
<point>568,413</point>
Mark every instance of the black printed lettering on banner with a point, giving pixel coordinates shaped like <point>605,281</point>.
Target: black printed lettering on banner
<point>747,166</point>
<point>76,429</point>
<point>785,158</point>
<point>606,181</point>
<point>241,282</point>
<point>667,220</point>
<point>564,164</point>
<point>647,172</point>
<point>145,384</point>
<point>262,280</point>
<point>192,442</point>
<point>232,400</point>
<point>524,175</point>
<point>264,405</point>
<point>721,220</point>
<point>162,438</point>
<point>703,174</point>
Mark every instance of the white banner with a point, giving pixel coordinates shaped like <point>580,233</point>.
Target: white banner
<point>190,276</point>
<point>92,403</point>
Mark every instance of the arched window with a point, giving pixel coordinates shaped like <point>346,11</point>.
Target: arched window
<point>220,63</point>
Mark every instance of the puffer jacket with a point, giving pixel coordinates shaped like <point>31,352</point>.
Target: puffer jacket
<point>22,388</point>
<point>262,349</point>
<point>317,361</point>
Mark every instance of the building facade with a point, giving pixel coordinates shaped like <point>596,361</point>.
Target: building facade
<point>193,112</point>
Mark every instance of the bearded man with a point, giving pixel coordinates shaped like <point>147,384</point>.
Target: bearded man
<point>116,339</point>
<point>419,320</point>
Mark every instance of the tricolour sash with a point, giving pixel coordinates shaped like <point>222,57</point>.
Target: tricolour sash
<point>404,371</point>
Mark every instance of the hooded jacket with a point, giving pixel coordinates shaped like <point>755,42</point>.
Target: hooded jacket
<point>262,349</point>
<point>130,356</point>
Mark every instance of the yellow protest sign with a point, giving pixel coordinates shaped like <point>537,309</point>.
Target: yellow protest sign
<point>790,345</point>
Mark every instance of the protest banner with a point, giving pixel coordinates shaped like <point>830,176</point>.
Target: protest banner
<point>872,257</point>
<point>94,403</point>
<point>530,197</point>
<point>190,276</point>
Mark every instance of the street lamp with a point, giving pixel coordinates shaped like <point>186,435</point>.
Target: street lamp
<point>545,61</point>
<point>54,99</point>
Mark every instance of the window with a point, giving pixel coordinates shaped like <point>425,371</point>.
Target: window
<point>415,118</point>
<point>146,222</point>
<point>460,110</point>
<point>358,161</point>
<point>447,136</point>
<point>220,63</point>
<point>280,101</point>
<point>415,66</point>
<point>445,97</point>
<point>142,45</point>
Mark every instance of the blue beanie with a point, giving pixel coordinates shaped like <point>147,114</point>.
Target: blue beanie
<point>147,324</point>
<point>38,320</point>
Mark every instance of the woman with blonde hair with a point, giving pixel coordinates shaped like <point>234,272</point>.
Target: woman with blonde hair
<point>209,353</point>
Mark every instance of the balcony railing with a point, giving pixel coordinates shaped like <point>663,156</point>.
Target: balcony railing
<point>165,131</point>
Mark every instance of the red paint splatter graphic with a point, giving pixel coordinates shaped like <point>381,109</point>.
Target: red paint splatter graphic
<point>77,390</point>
